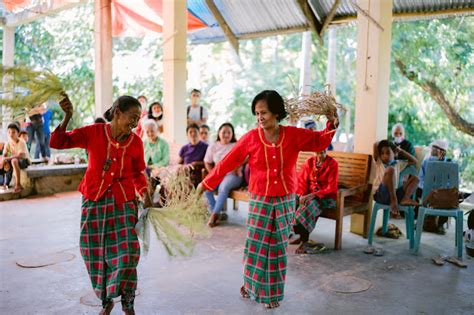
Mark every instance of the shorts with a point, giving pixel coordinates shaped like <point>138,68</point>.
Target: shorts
<point>23,163</point>
<point>383,196</point>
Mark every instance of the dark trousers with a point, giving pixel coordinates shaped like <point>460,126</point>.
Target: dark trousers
<point>35,131</point>
<point>301,231</point>
<point>47,137</point>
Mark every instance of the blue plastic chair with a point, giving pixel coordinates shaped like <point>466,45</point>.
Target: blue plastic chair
<point>409,170</point>
<point>409,219</point>
<point>440,175</point>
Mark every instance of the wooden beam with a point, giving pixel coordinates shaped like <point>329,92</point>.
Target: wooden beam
<point>329,17</point>
<point>47,8</point>
<point>313,22</point>
<point>224,26</point>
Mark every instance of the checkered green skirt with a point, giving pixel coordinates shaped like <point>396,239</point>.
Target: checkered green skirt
<point>265,256</point>
<point>308,214</point>
<point>109,245</point>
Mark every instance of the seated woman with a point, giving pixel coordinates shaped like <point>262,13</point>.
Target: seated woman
<point>157,155</point>
<point>192,154</point>
<point>215,153</point>
<point>317,190</point>
<point>155,112</point>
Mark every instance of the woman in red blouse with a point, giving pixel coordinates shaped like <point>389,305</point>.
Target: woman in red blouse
<point>317,190</point>
<point>114,176</point>
<point>272,150</point>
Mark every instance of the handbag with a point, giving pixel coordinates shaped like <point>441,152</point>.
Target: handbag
<point>442,198</point>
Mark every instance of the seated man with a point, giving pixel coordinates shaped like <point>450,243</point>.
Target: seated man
<point>433,224</point>
<point>387,174</point>
<point>317,190</point>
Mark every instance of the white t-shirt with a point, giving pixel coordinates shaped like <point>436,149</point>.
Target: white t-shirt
<point>15,148</point>
<point>195,113</point>
<point>217,151</point>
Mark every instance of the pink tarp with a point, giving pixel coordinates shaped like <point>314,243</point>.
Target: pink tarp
<point>129,17</point>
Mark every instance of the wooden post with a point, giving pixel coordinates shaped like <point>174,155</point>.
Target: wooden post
<point>372,80</point>
<point>7,61</point>
<point>174,70</point>
<point>332,52</point>
<point>103,56</point>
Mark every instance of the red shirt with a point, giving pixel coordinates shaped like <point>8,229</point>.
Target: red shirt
<point>321,181</point>
<point>125,172</point>
<point>272,166</point>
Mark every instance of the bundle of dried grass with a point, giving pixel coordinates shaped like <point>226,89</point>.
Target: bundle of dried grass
<point>25,89</point>
<point>183,216</point>
<point>316,104</point>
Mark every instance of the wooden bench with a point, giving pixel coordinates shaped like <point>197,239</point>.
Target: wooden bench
<point>354,190</point>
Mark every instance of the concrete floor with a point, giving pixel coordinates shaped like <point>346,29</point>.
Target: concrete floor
<point>208,282</point>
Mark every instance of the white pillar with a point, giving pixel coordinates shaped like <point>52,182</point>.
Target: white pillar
<point>372,81</point>
<point>305,68</point>
<point>332,51</point>
<point>372,74</point>
<point>174,70</point>
<point>103,56</point>
<point>7,61</point>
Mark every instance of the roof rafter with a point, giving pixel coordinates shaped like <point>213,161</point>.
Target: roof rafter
<point>313,22</point>
<point>329,17</point>
<point>224,26</point>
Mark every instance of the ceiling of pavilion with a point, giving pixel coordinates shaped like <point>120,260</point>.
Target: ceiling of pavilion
<point>254,18</point>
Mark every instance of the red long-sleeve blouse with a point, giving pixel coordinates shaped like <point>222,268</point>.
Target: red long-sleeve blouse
<point>272,165</point>
<point>119,165</point>
<point>320,181</point>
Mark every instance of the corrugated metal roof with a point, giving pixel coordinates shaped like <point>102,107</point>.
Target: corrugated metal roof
<point>258,16</point>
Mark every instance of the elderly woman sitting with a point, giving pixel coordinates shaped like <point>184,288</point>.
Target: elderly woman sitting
<point>157,151</point>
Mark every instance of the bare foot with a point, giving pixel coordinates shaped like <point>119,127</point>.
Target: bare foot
<point>272,305</point>
<point>213,220</point>
<point>409,202</point>
<point>295,240</point>
<point>107,309</point>
<point>18,189</point>
<point>244,293</point>
<point>301,249</point>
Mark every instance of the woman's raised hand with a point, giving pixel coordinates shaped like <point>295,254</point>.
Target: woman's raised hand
<point>66,105</point>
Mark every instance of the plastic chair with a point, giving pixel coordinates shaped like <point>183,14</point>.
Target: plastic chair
<point>440,175</point>
<point>409,170</point>
<point>409,219</point>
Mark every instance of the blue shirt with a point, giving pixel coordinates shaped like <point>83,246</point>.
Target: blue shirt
<point>47,116</point>
<point>421,176</point>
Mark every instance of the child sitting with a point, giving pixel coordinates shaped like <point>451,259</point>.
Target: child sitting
<point>387,176</point>
<point>15,157</point>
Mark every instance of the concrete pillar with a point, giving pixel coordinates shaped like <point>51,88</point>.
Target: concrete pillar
<point>372,81</point>
<point>174,70</point>
<point>372,74</point>
<point>103,56</point>
<point>305,67</point>
<point>7,61</point>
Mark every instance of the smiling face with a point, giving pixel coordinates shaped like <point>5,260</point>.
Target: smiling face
<point>151,133</point>
<point>225,135</point>
<point>193,136</point>
<point>12,134</point>
<point>265,118</point>
<point>128,120</point>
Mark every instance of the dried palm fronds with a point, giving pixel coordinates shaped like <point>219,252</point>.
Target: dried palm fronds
<point>24,88</point>
<point>315,104</point>
<point>183,216</point>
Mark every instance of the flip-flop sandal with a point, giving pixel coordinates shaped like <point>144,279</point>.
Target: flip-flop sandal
<point>439,260</point>
<point>270,306</point>
<point>379,252</point>
<point>312,243</point>
<point>369,250</point>
<point>317,250</point>
<point>456,261</point>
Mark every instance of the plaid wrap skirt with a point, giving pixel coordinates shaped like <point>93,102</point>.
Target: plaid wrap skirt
<point>109,245</point>
<point>265,254</point>
<point>308,214</point>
